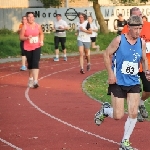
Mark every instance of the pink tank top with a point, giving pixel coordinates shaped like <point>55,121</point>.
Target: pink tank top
<point>34,42</point>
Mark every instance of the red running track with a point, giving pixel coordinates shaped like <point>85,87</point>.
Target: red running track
<point>58,115</point>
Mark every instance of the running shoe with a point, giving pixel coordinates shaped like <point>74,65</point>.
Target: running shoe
<point>139,117</point>
<point>23,68</point>
<point>143,111</point>
<point>82,71</point>
<point>30,83</point>
<point>56,59</point>
<point>65,58</point>
<point>35,85</point>
<point>125,145</point>
<point>100,116</point>
<point>88,67</point>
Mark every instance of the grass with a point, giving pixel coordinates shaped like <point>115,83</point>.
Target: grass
<point>9,43</point>
<point>96,86</point>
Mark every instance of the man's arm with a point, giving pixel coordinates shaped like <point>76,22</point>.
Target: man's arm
<point>112,48</point>
<point>144,58</point>
<point>87,30</point>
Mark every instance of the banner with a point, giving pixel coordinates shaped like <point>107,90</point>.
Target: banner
<point>10,18</point>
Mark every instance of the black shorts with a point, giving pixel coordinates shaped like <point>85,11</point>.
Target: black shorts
<point>62,40</point>
<point>145,82</point>
<point>93,39</point>
<point>33,58</point>
<point>121,91</point>
<point>22,48</point>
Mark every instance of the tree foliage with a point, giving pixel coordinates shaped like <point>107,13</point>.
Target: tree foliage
<point>51,3</point>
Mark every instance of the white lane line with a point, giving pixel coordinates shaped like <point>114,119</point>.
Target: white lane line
<point>42,67</point>
<point>11,145</point>
<point>9,74</point>
<point>59,120</point>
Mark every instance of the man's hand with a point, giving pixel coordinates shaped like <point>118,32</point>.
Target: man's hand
<point>111,78</point>
<point>81,29</point>
<point>147,74</point>
<point>61,27</point>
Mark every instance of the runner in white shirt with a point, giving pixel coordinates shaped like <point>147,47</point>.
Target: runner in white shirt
<point>83,40</point>
<point>60,27</point>
<point>94,33</point>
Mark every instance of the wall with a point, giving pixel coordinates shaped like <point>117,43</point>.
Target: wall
<point>10,18</point>
<point>37,3</point>
<point>20,3</point>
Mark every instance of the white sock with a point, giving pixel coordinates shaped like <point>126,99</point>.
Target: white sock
<point>31,78</point>
<point>35,81</point>
<point>109,112</point>
<point>141,102</point>
<point>57,56</point>
<point>128,128</point>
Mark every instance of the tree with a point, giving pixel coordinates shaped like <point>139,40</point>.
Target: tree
<point>99,17</point>
<point>51,3</point>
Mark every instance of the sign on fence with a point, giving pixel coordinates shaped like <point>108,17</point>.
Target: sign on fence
<point>10,18</point>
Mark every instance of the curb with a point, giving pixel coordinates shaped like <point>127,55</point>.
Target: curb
<point>13,59</point>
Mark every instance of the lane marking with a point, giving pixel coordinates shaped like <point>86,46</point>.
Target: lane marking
<point>59,120</point>
<point>42,67</point>
<point>8,74</point>
<point>11,145</point>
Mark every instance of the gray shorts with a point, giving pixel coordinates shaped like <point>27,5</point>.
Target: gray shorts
<point>84,44</point>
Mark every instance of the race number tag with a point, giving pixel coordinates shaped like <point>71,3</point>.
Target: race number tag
<point>129,68</point>
<point>82,34</point>
<point>34,39</point>
<point>148,47</point>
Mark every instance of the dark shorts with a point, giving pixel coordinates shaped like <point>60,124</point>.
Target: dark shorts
<point>145,82</point>
<point>121,91</point>
<point>33,58</point>
<point>22,48</point>
<point>93,39</point>
<point>62,41</point>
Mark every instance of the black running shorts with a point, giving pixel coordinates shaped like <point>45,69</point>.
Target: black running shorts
<point>121,91</point>
<point>93,39</point>
<point>145,82</point>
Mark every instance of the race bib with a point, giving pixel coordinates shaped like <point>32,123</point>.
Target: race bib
<point>148,47</point>
<point>82,35</point>
<point>129,68</point>
<point>34,39</point>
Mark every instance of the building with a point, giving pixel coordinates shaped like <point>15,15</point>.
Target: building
<point>37,3</point>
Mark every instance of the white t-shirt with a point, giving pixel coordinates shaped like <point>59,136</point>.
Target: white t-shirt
<point>93,27</point>
<point>82,36</point>
<point>60,23</point>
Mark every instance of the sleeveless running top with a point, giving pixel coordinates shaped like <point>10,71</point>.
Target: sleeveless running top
<point>34,42</point>
<point>126,62</point>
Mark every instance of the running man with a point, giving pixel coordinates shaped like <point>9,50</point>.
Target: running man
<point>60,27</point>
<point>128,50</point>
<point>94,33</point>
<point>84,32</point>
<point>23,57</point>
<point>32,35</point>
<point>142,114</point>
